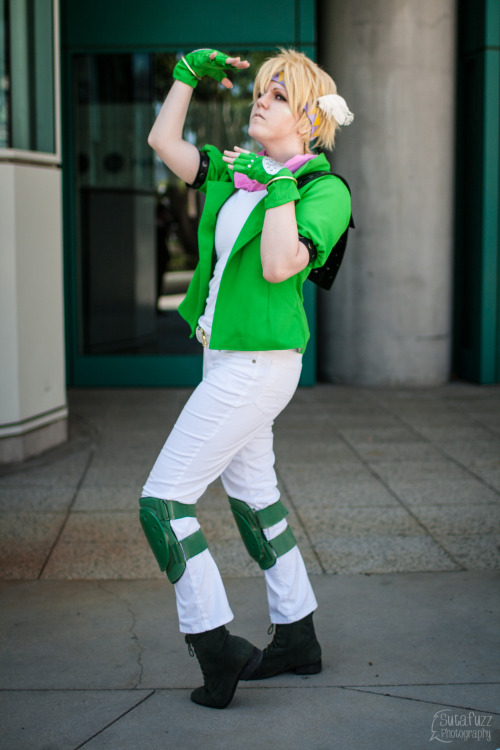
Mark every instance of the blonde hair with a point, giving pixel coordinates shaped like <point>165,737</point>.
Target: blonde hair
<point>304,82</point>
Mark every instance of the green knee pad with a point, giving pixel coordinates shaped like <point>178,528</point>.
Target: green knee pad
<point>251,524</point>
<point>171,554</point>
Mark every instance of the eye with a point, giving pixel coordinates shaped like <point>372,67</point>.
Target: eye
<point>281,97</point>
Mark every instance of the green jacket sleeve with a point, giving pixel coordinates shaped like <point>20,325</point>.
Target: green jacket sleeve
<point>323,214</point>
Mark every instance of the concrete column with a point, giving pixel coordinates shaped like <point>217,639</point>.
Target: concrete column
<point>33,412</point>
<point>387,319</point>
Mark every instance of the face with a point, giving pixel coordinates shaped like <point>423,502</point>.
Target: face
<point>271,120</point>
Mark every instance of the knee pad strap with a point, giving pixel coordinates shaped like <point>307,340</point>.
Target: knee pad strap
<point>171,554</point>
<point>251,524</point>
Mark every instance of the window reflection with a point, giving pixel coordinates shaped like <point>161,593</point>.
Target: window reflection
<point>136,222</point>
<point>27,94</point>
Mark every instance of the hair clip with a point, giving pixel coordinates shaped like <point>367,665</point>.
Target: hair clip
<point>333,105</point>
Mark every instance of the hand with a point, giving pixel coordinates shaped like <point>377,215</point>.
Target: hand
<point>259,168</point>
<point>207,62</point>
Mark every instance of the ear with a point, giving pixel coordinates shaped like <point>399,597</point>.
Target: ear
<point>305,134</point>
<point>304,127</point>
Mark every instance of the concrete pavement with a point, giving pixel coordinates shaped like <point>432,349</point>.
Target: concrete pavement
<point>395,500</point>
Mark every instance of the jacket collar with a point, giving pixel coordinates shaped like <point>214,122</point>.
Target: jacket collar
<point>318,164</point>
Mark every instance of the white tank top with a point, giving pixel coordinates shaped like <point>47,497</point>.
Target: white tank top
<point>232,216</point>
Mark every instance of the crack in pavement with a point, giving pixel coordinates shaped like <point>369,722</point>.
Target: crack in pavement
<point>103,585</point>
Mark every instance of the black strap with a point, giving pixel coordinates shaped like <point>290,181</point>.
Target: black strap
<point>311,248</point>
<point>324,276</point>
<point>201,175</point>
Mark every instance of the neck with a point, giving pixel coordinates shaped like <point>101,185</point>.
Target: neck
<point>282,152</point>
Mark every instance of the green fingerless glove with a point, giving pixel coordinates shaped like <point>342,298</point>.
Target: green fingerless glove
<point>280,182</point>
<point>192,67</point>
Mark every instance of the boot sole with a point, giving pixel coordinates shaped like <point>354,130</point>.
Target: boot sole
<point>304,669</point>
<point>314,668</point>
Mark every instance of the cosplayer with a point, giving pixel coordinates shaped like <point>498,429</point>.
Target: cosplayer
<point>259,238</point>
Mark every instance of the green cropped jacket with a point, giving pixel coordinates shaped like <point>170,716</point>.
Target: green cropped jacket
<point>252,314</point>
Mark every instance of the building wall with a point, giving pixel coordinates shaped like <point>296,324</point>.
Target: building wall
<point>387,320</point>
<point>32,385</point>
<point>33,412</point>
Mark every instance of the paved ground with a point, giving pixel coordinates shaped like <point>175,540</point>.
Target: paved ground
<point>395,499</point>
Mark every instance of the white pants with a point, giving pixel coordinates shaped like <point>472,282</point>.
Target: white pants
<point>225,430</point>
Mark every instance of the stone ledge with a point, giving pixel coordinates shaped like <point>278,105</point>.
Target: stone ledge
<point>16,448</point>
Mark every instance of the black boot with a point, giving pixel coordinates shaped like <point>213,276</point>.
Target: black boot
<point>224,659</point>
<point>294,648</point>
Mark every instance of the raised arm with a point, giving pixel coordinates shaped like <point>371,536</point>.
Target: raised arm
<point>166,136</point>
